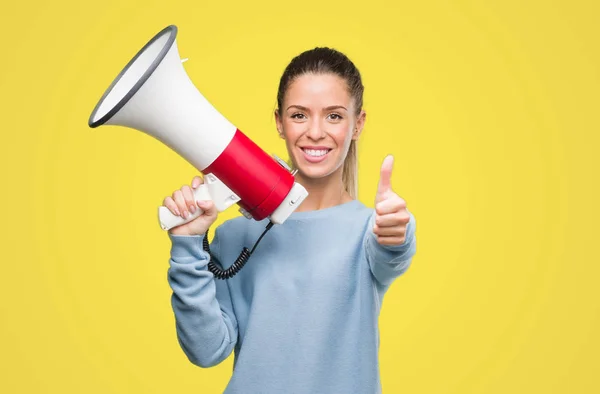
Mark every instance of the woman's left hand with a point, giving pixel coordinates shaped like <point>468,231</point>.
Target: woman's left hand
<point>391,215</point>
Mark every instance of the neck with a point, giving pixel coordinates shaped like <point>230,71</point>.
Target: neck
<point>323,192</point>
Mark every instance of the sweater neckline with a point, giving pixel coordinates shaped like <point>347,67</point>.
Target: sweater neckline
<point>319,213</point>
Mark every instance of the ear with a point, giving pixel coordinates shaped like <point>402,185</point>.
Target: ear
<point>279,124</point>
<point>360,123</point>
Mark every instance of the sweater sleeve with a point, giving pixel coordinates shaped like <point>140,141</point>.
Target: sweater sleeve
<point>204,317</point>
<point>387,262</point>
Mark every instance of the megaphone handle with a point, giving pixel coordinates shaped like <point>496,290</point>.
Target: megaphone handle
<point>168,220</point>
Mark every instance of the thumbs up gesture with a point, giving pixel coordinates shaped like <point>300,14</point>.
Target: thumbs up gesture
<point>391,215</point>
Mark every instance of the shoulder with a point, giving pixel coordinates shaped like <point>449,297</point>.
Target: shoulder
<point>239,227</point>
<point>357,211</point>
<point>362,209</point>
<point>237,222</point>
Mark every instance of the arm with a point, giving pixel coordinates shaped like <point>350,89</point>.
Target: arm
<point>387,262</point>
<point>205,321</point>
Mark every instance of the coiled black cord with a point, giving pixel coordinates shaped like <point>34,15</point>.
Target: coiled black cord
<point>214,265</point>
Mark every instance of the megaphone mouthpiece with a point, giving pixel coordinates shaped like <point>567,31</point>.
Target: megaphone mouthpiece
<point>154,94</point>
<point>133,76</point>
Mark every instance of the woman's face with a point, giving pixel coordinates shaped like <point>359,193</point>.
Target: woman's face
<point>318,121</point>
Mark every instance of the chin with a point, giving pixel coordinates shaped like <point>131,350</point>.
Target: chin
<point>314,173</point>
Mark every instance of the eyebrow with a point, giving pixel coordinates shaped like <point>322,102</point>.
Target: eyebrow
<point>332,107</point>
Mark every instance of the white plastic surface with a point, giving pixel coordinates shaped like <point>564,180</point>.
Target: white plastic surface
<point>294,198</point>
<point>131,76</point>
<point>169,107</point>
<point>212,189</point>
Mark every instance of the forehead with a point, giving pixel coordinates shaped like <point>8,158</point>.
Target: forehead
<point>317,89</point>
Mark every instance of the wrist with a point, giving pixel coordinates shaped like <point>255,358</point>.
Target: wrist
<point>176,231</point>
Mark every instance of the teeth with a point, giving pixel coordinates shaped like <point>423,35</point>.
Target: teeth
<point>316,153</point>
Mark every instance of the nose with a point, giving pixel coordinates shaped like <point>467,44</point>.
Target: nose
<point>316,130</point>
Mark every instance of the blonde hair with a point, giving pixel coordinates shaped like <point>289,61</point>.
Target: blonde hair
<point>350,171</point>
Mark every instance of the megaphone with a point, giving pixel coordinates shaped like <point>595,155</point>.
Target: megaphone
<point>154,94</point>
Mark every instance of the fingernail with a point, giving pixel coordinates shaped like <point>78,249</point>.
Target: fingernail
<point>185,214</point>
<point>192,208</point>
<point>177,212</point>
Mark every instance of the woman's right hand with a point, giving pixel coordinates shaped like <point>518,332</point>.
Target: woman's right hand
<point>181,203</point>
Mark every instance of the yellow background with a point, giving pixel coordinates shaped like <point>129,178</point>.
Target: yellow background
<point>490,108</point>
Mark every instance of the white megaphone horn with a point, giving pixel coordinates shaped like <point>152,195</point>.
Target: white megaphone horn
<point>154,94</point>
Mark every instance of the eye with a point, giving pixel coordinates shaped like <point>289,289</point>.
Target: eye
<point>335,116</point>
<point>297,115</point>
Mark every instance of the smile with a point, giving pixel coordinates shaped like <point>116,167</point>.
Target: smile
<point>315,155</point>
<point>316,152</point>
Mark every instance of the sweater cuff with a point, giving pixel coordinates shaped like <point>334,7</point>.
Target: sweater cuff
<point>185,245</point>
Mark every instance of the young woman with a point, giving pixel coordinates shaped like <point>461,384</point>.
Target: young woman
<point>302,315</point>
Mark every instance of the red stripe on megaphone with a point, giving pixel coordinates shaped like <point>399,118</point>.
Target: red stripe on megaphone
<point>260,182</point>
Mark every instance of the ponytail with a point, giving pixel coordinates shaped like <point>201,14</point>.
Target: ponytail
<point>350,171</point>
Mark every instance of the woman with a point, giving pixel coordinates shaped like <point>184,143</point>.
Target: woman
<point>302,315</point>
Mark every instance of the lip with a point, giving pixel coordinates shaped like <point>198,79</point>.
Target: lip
<point>315,147</point>
<point>313,159</point>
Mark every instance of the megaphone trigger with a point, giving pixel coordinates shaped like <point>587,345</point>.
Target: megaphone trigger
<point>222,196</point>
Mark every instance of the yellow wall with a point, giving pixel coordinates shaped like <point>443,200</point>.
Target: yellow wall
<point>491,111</point>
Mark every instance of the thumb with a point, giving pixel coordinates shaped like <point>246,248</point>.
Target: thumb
<point>196,182</point>
<point>208,206</point>
<point>386,175</point>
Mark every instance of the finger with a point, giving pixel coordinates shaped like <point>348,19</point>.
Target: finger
<point>395,231</point>
<point>180,201</point>
<point>385,182</point>
<point>188,196</point>
<point>391,205</point>
<point>197,181</point>
<point>207,206</point>
<point>170,204</point>
<point>393,219</point>
<point>391,240</point>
